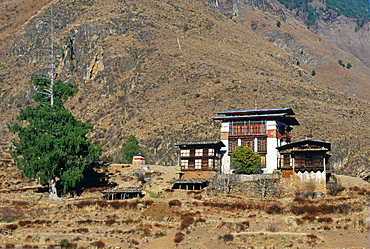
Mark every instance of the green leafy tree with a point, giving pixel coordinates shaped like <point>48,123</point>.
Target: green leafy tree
<point>130,148</point>
<point>313,73</point>
<point>245,160</point>
<point>52,144</point>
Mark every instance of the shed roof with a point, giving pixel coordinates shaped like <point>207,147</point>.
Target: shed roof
<point>191,180</point>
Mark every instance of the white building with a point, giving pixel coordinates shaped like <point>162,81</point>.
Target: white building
<point>263,130</point>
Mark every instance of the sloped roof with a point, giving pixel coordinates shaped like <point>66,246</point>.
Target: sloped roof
<point>210,144</point>
<point>308,142</point>
<point>288,111</point>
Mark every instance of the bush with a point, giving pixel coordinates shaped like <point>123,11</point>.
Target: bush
<point>274,209</point>
<point>64,243</point>
<point>98,244</point>
<point>23,223</point>
<point>227,237</point>
<point>325,219</point>
<point>179,237</point>
<point>12,226</point>
<point>309,217</point>
<point>117,204</point>
<point>110,222</point>
<point>186,220</point>
<point>174,203</point>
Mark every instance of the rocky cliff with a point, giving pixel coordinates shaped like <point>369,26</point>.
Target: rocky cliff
<point>161,70</point>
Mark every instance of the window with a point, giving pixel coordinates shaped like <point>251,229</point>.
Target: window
<point>247,128</point>
<point>262,145</point>
<point>308,161</point>
<point>248,142</point>
<point>211,152</point>
<point>286,161</point>
<point>184,164</point>
<point>210,163</point>
<point>184,153</point>
<point>198,163</point>
<point>232,145</point>
<point>199,152</point>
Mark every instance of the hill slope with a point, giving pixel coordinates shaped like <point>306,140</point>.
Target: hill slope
<point>161,71</point>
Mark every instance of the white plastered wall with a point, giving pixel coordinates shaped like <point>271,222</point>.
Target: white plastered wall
<point>225,160</point>
<point>272,153</point>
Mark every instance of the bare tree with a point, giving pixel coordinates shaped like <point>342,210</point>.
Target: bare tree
<point>265,184</point>
<point>224,183</point>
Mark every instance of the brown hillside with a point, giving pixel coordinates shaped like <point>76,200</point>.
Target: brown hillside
<point>125,58</point>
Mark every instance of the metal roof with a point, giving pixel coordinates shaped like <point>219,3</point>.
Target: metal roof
<point>259,111</point>
<point>289,120</point>
<point>192,143</point>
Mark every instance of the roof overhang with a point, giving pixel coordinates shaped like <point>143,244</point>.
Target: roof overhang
<point>325,146</point>
<point>288,111</point>
<point>282,117</point>
<point>203,144</point>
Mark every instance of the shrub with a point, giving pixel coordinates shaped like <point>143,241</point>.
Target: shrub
<point>310,209</point>
<point>312,237</point>
<point>117,204</point>
<point>12,226</point>
<point>296,209</point>
<point>23,223</point>
<point>174,203</point>
<point>300,199</point>
<point>299,221</point>
<point>64,243</point>
<point>98,244</point>
<point>272,228</point>
<point>186,220</point>
<point>343,208</point>
<point>102,203</point>
<point>326,208</point>
<point>80,230</point>
<point>227,237</point>
<point>129,221</point>
<point>148,202</point>
<point>82,204</point>
<point>9,246</point>
<point>325,219</point>
<point>274,209</point>
<point>110,222</point>
<point>179,237</point>
<point>309,217</point>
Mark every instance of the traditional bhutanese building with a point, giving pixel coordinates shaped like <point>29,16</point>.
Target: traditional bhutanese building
<point>308,159</point>
<point>198,162</point>
<point>199,159</point>
<point>263,130</point>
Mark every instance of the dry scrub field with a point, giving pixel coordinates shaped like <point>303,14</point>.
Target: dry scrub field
<point>167,218</point>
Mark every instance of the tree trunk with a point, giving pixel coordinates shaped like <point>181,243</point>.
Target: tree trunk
<point>53,190</point>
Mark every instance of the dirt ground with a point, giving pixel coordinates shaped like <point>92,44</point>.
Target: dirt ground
<point>166,218</point>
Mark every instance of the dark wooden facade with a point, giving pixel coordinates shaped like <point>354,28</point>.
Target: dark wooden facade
<point>305,155</point>
<point>200,156</point>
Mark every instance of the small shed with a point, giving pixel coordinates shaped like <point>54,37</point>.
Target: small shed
<point>138,159</point>
<point>124,193</point>
<point>190,184</point>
